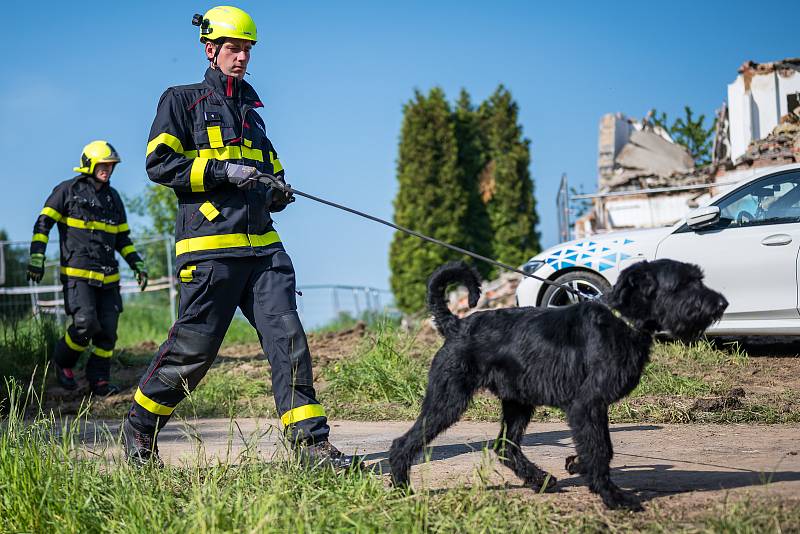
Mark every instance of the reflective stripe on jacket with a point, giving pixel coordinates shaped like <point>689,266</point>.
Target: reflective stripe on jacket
<point>197,129</point>
<point>92,225</point>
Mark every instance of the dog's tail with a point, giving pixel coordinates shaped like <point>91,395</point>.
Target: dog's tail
<point>456,271</point>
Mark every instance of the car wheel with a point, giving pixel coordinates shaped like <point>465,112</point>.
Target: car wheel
<point>590,284</point>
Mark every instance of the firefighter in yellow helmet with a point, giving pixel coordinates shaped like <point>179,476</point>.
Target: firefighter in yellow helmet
<point>208,144</point>
<point>92,226</point>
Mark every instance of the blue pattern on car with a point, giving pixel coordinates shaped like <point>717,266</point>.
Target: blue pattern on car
<point>590,254</point>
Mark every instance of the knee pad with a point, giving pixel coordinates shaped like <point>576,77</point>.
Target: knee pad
<point>86,325</point>
<point>187,359</point>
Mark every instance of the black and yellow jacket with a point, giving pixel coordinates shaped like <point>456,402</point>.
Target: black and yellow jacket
<point>196,130</point>
<point>92,225</point>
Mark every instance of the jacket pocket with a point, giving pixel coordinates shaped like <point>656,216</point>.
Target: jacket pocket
<point>193,289</point>
<point>214,136</point>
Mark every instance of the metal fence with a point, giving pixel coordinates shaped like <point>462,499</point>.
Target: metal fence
<point>19,299</point>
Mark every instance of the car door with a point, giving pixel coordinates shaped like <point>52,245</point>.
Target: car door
<point>750,253</point>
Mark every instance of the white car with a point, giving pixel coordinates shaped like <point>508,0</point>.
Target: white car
<point>747,241</point>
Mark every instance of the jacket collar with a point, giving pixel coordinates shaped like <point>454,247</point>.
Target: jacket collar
<point>85,178</point>
<point>231,87</point>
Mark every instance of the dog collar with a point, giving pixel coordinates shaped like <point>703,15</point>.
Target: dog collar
<point>628,322</point>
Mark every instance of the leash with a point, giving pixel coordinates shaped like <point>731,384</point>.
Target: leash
<point>271,181</point>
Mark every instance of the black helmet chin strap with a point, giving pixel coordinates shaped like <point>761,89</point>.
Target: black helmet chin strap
<point>216,53</point>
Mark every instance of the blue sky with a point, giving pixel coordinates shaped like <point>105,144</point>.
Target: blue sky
<point>334,77</point>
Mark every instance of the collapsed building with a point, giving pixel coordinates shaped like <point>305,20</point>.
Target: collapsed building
<point>646,179</point>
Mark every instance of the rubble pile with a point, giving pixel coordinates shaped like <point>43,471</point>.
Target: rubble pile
<point>780,147</point>
<point>497,293</point>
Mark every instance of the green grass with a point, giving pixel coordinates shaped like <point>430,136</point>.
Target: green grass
<point>49,482</point>
<point>387,376</point>
<point>385,379</point>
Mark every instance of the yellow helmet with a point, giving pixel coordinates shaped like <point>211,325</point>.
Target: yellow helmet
<point>94,153</point>
<point>225,21</point>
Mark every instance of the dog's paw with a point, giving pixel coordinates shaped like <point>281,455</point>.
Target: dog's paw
<point>618,499</point>
<point>573,465</point>
<point>543,482</point>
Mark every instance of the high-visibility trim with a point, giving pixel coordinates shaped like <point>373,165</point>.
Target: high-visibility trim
<point>217,150</point>
<point>96,225</point>
<point>247,142</point>
<point>71,344</point>
<point>213,242</point>
<point>150,405</point>
<point>252,153</point>
<point>186,275</point>
<point>53,214</point>
<point>215,137</point>
<point>302,413</point>
<point>227,152</point>
<point>103,353</point>
<point>276,163</point>
<point>41,238</point>
<point>130,249</point>
<point>209,210</point>
<point>165,139</point>
<point>221,153</point>
<point>197,175</point>
<point>91,275</point>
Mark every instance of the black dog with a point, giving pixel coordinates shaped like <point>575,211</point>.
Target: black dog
<point>580,358</point>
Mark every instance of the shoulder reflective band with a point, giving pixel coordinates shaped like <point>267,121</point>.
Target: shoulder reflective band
<point>53,214</point>
<point>302,413</point>
<point>215,137</point>
<point>91,275</point>
<point>220,153</point>
<point>197,175</point>
<point>103,353</point>
<point>97,225</point>
<point>209,211</point>
<point>247,142</point>
<point>150,405</point>
<point>214,242</point>
<point>71,344</point>
<point>186,274</point>
<point>127,250</point>
<point>165,139</point>
<point>42,238</point>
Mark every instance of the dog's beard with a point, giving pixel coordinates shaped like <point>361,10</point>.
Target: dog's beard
<point>687,319</point>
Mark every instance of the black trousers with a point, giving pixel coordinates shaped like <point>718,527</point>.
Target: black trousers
<point>95,314</point>
<point>210,291</point>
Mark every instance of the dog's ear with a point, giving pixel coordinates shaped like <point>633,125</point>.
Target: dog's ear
<point>639,278</point>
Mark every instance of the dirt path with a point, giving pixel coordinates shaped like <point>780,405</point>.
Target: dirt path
<point>664,463</point>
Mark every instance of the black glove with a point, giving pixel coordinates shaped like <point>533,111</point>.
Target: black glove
<point>35,271</point>
<point>242,176</point>
<point>140,269</point>
<point>280,196</point>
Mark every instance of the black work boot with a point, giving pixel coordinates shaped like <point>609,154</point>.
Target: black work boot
<point>103,388</point>
<point>323,454</point>
<point>65,376</point>
<point>141,449</point>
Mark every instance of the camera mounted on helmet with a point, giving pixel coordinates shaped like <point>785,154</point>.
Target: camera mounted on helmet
<point>203,23</point>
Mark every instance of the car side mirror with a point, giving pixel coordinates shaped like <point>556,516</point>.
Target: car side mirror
<point>700,217</point>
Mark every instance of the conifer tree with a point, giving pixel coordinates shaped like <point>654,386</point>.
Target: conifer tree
<point>431,198</point>
<point>472,158</point>
<point>505,183</point>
